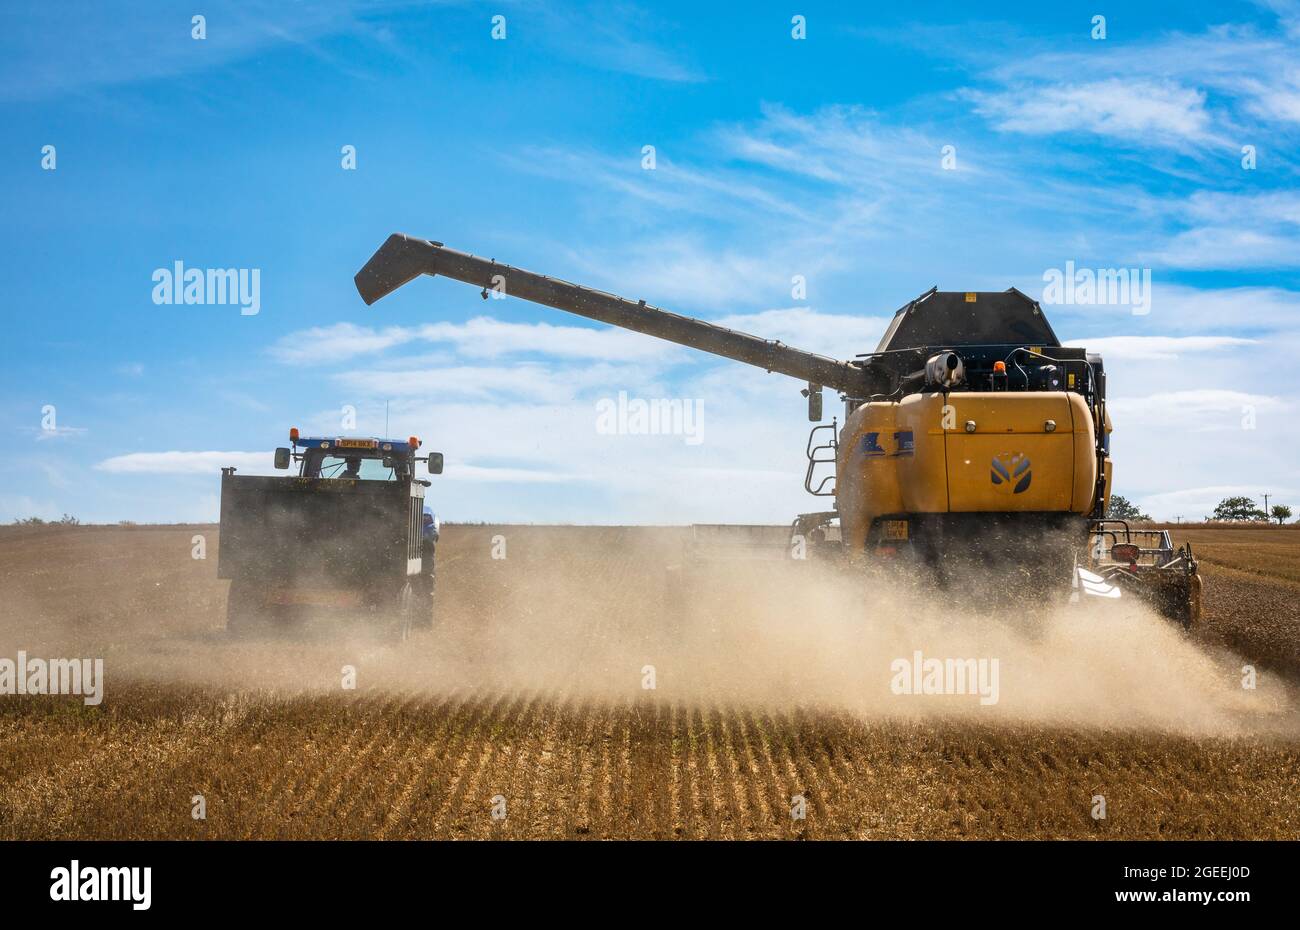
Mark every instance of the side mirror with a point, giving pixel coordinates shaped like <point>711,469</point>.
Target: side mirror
<point>814,394</point>
<point>282,457</point>
<point>435,463</point>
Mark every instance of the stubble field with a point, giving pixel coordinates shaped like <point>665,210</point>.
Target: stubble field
<point>529,700</point>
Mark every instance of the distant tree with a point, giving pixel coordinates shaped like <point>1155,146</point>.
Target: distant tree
<point>1237,508</point>
<point>1122,509</point>
<point>1281,513</point>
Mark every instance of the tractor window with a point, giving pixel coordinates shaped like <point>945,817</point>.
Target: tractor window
<point>336,466</point>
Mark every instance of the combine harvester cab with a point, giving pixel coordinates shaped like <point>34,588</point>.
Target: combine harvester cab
<point>348,536</point>
<point>975,448</point>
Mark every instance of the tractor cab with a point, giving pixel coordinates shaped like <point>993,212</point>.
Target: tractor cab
<point>356,458</point>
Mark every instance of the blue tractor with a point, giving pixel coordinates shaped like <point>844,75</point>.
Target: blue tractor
<point>349,534</point>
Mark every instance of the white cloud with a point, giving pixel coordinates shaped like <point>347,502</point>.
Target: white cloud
<point>57,432</point>
<point>1217,206</point>
<point>462,471</point>
<point>835,335</point>
<point>1125,109</point>
<point>847,145</point>
<point>621,38</point>
<point>99,44</point>
<point>1178,309</point>
<point>1192,504</point>
<point>1158,348</point>
<point>333,343</point>
<point>1195,411</point>
<point>524,384</point>
<point>481,337</point>
<point>1227,247</point>
<point>1242,308</point>
<point>686,270</point>
<point>1231,230</point>
<point>1165,82</point>
<point>187,463</point>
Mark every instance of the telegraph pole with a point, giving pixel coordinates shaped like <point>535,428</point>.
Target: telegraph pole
<point>1266,516</point>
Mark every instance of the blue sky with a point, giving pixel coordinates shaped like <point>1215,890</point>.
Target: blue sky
<point>775,157</point>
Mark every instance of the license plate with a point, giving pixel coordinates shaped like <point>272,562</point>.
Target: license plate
<point>896,529</point>
<point>356,443</point>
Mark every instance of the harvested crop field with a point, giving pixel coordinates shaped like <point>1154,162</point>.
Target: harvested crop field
<point>530,700</point>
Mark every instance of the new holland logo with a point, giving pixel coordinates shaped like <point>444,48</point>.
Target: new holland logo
<point>1011,469</point>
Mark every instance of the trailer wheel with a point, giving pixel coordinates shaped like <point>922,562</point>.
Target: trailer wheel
<point>406,612</point>
<point>245,613</point>
<point>425,598</point>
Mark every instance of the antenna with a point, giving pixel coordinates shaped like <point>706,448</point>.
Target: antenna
<point>385,418</point>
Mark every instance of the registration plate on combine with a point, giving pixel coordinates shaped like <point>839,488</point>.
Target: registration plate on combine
<point>895,529</point>
<point>355,443</point>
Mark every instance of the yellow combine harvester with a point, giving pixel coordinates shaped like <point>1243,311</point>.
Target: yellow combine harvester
<point>974,444</point>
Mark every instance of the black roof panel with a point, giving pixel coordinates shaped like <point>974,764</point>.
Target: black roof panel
<point>969,318</point>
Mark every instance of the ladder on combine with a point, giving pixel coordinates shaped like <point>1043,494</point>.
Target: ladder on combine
<point>822,453</point>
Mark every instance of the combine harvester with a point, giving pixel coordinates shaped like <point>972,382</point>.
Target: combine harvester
<point>974,444</point>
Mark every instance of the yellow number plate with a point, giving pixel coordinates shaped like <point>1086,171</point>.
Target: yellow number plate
<point>896,529</point>
<point>356,443</point>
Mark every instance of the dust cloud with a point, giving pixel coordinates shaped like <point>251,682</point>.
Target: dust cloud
<point>594,614</point>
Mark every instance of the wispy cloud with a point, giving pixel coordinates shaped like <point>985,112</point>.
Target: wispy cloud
<point>1158,348</point>
<point>1195,411</point>
<point>525,383</point>
<point>481,337</point>
<point>832,334</point>
<point>479,474</point>
<point>186,463</point>
<point>45,434</point>
<point>1216,247</point>
<point>1222,86</point>
<point>1142,111</point>
<point>1198,503</point>
<point>619,36</point>
<point>51,49</point>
